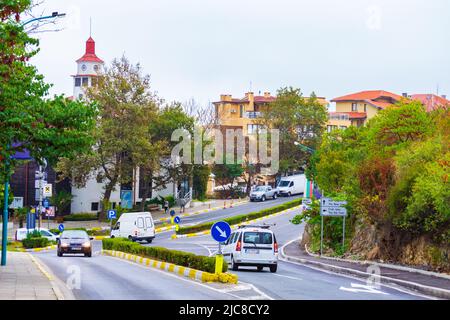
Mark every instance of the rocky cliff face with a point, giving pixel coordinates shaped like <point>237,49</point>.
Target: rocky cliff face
<point>387,244</point>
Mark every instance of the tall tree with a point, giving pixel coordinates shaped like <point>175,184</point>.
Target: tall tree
<point>122,135</point>
<point>47,128</point>
<point>299,119</point>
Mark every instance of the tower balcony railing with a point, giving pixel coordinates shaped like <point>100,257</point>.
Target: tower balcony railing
<point>253,115</point>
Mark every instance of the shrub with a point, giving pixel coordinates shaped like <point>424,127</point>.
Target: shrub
<point>56,231</point>
<point>242,218</point>
<point>180,258</point>
<point>35,242</point>
<point>81,217</point>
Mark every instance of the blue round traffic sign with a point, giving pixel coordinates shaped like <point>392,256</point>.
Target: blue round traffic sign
<point>177,220</point>
<point>221,231</point>
<point>61,227</point>
<point>172,213</point>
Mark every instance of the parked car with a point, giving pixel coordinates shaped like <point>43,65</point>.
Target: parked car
<point>289,186</point>
<point>262,193</point>
<point>252,246</point>
<point>22,234</point>
<point>135,226</point>
<point>74,241</point>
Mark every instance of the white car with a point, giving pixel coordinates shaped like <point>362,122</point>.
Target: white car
<point>262,193</point>
<point>252,246</point>
<point>22,234</point>
<point>135,226</point>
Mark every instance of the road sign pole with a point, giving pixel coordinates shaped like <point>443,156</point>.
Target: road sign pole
<point>321,236</point>
<point>5,217</point>
<point>343,236</point>
<point>40,195</point>
<point>219,260</point>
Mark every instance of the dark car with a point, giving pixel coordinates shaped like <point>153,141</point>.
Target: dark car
<point>74,241</point>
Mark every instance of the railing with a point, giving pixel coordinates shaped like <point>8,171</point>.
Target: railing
<point>252,115</point>
<point>338,116</point>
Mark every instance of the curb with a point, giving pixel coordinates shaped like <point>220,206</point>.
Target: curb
<point>53,281</point>
<point>176,269</point>
<point>233,227</point>
<point>38,249</point>
<point>197,212</point>
<point>427,290</point>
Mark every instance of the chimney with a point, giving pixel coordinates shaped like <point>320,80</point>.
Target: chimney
<point>266,94</point>
<point>405,95</point>
<point>250,96</point>
<point>225,97</point>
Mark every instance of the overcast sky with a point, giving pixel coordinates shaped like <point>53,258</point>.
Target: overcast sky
<point>202,48</point>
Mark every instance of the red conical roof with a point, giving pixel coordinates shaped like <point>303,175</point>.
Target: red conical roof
<point>90,55</point>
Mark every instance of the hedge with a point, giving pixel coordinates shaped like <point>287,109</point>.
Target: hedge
<point>81,217</point>
<point>91,232</point>
<point>242,218</point>
<point>31,243</point>
<point>180,258</point>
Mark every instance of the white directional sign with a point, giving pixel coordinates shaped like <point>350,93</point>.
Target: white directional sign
<point>334,212</point>
<point>327,202</point>
<point>47,190</point>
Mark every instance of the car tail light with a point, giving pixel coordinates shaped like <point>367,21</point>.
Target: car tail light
<point>275,247</point>
<point>238,246</point>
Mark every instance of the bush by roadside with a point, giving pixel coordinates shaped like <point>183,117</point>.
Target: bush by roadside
<point>35,240</point>
<point>81,217</point>
<point>180,258</point>
<point>91,232</point>
<point>242,218</point>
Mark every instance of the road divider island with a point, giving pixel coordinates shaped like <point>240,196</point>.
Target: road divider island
<point>186,264</point>
<point>244,218</point>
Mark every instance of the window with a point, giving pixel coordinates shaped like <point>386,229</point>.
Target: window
<point>365,107</point>
<point>258,237</point>
<point>254,128</point>
<point>343,127</point>
<point>241,110</point>
<point>148,222</point>
<point>354,107</point>
<point>94,206</point>
<point>140,223</point>
<point>117,226</point>
<point>292,184</point>
<point>80,96</point>
<point>77,82</point>
<point>85,81</point>
<point>331,128</point>
<point>94,82</point>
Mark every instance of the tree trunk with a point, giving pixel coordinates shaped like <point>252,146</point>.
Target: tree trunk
<point>107,196</point>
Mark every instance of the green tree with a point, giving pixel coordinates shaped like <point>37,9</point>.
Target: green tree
<point>48,128</point>
<point>61,200</point>
<point>299,119</point>
<point>122,136</point>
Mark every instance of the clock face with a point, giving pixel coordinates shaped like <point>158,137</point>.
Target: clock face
<point>83,67</point>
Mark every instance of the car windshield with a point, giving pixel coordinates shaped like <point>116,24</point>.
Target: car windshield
<point>75,234</point>
<point>284,183</point>
<point>260,189</point>
<point>258,237</point>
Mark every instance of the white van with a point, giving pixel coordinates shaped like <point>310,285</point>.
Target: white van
<point>135,226</point>
<point>288,186</point>
<point>252,245</point>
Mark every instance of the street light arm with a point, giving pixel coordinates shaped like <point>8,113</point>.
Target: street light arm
<point>308,149</point>
<point>53,16</point>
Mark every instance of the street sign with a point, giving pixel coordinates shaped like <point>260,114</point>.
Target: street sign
<point>333,212</point>
<point>221,231</point>
<point>172,213</point>
<point>50,211</point>
<point>37,182</point>
<point>112,214</point>
<point>17,203</point>
<point>47,190</point>
<point>327,202</point>
<point>46,203</point>
<point>61,227</point>
<point>177,220</point>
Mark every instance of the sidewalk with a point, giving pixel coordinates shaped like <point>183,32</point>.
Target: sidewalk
<point>425,282</point>
<point>23,279</point>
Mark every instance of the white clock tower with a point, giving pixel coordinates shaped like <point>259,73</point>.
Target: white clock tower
<point>88,67</point>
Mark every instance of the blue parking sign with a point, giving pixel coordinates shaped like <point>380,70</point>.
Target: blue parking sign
<point>46,203</point>
<point>221,231</point>
<point>112,214</point>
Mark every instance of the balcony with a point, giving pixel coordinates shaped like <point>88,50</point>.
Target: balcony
<point>252,115</point>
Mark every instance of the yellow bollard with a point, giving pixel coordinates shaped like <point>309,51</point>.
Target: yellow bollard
<point>219,263</point>
<point>224,204</point>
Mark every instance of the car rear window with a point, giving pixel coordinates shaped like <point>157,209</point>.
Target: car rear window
<point>258,237</point>
<point>75,234</point>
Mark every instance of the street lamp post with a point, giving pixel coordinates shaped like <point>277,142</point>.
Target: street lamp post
<point>6,191</point>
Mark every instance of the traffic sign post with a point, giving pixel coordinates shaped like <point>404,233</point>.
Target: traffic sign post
<point>332,208</point>
<point>112,214</point>
<point>46,204</point>
<point>220,232</point>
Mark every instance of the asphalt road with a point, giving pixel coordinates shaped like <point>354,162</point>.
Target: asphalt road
<point>103,277</point>
<point>293,281</point>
